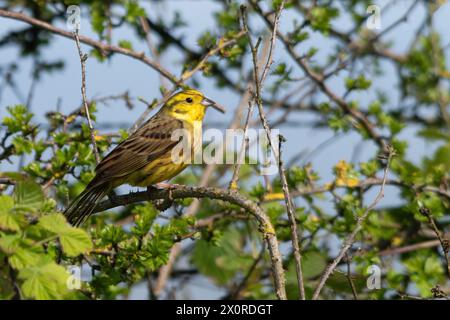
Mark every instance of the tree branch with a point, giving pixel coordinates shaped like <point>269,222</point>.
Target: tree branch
<point>259,81</point>
<point>241,156</point>
<point>83,58</point>
<point>364,184</point>
<point>103,47</point>
<point>409,248</point>
<point>319,80</point>
<point>231,196</point>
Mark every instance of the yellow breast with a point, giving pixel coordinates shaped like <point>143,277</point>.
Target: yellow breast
<point>164,168</point>
<point>161,169</point>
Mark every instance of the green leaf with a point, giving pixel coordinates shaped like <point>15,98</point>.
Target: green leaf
<point>313,264</point>
<point>8,220</point>
<point>44,282</point>
<point>98,17</point>
<point>144,217</point>
<point>22,145</point>
<point>75,242</point>
<point>339,282</point>
<point>23,258</point>
<point>19,120</point>
<point>360,83</point>
<point>112,234</point>
<point>133,11</point>
<point>258,190</point>
<point>9,243</point>
<point>125,44</point>
<point>299,36</point>
<point>55,223</point>
<point>28,195</point>
<point>433,134</point>
<point>432,266</point>
<point>375,108</point>
<point>224,260</point>
<point>321,18</point>
<point>369,169</point>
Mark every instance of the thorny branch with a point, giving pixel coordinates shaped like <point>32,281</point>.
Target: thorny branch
<point>259,81</point>
<point>83,58</point>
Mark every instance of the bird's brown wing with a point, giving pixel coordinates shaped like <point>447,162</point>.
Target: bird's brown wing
<point>149,142</point>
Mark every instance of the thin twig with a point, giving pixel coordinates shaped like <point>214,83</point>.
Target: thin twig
<point>273,40</point>
<point>409,248</point>
<point>265,124</point>
<point>104,48</point>
<point>349,276</point>
<point>235,294</point>
<point>83,58</point>
<point>364,184</point>
<point>445,243</point>
<point>319,80</point>
<point>146,27</point>
<point>234,180</point>
<point>359,223</point>
<point>399,21</point>
<point>293,223</point>
<point>222,44</point>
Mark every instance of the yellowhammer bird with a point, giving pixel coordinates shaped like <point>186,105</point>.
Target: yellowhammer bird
<point>145,157</point>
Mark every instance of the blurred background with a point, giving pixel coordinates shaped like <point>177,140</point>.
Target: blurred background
<point>311,137</point>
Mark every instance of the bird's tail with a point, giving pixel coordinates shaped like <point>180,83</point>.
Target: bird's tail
<point>81,208</point>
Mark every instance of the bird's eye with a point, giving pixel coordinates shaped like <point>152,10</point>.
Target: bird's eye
<point>189,100</point>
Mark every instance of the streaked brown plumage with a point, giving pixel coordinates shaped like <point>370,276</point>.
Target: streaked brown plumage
<point>144,158</point>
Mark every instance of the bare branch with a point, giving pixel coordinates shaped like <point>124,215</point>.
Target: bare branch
<point>319,80</point>
<point>146,27</point>
<point>83,58</point>
<point>364,184</point>
<point>349,276</point>
<point>103,47</point>
<point>259,81</point>
<point>234,180</point>
<point>409,248</point>
<point>445,243</point>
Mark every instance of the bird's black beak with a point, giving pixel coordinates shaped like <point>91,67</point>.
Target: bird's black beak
<point>210,103</point>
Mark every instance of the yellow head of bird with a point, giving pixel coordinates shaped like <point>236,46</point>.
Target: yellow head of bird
<point>189,105</point>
